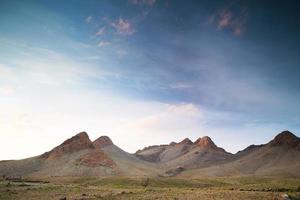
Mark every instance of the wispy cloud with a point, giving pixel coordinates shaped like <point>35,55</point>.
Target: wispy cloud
<point>143,2</point>
<point>235,21</point>
<point>88,19</point>
<point>168,120</point>
<point>103,44</point>
<point>111,32</point>
<point>41,66</point>
<point>123,27</point>
<point>225,19</point>
<point>52,91</point>
<point>121,52</point>
<point>180,86</point>
<point>100,31</point>
<point>173,122</point>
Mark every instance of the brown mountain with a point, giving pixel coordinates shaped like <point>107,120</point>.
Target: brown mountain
<point>78,142</point>
<point>79,156</point>
<point>184,155</point>
<point>279,157</point>
<point>287,139</point>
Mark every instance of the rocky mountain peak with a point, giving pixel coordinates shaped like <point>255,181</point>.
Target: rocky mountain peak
<point>286,138</point>
<point>205,142</point>
<point>102,141</point>
<point>186,141</point>
<point>76,143</point>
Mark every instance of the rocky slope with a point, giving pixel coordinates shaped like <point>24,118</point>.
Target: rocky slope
<point>279,157</point>
<point>186,154</point>
<point>79,156</point>
<point>78,142</point>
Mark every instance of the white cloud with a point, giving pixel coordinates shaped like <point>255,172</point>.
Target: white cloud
<point>4,70</point>
<point>53,101</point>
<point>174,122</point>
<point>43,116</point>
<point>103,44</point>
<point>44,66</point>
<point>88,19</point>
<point>121,53</point>
<point>168,122</point>
<point>7,90</point>
<point>170,119</point>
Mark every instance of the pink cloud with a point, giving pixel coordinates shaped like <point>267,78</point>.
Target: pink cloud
<point>227,19</point>
<point>123,27</point>
<point>100,31</point>
<point>237,31</point>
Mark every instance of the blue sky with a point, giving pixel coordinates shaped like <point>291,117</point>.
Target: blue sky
<point>147,72</point>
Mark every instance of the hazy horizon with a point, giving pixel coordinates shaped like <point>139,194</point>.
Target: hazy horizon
<point>147,72</point>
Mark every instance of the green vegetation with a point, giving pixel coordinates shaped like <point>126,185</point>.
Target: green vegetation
<point>151,188</point>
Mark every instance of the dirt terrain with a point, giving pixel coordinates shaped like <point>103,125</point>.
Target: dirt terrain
<point>154,188</point>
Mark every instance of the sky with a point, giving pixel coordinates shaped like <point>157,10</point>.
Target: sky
<point>147,72</point>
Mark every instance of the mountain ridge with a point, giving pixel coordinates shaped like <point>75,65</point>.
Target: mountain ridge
<point>79,156</point>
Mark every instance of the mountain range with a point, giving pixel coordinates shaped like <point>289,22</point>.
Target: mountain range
<point>79,156</point>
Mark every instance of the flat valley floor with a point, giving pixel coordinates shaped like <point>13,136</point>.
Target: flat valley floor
<point>62,188</point>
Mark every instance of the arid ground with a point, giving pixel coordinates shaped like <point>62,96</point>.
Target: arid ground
<point>153,188</point>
